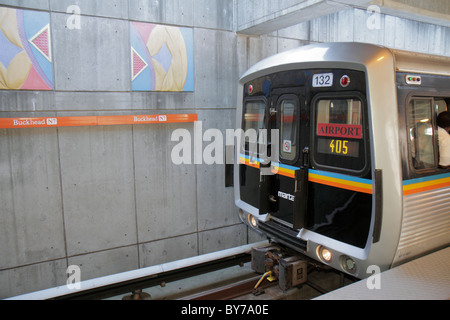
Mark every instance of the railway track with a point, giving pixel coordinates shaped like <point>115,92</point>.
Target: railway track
<point>321,282</point>
<point>221,275</point>
<point>234,290</point>
<point>135,288</point>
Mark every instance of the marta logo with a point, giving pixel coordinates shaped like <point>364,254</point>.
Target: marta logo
<point>286,196</point>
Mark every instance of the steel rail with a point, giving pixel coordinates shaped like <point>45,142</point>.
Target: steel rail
<point>231,291</point>
<point>127,282</point>
<point>156,279</point>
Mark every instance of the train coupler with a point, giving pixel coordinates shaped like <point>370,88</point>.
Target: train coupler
<point>277,264</point>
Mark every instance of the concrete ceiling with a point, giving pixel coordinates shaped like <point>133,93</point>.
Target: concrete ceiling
<point>256,17</point>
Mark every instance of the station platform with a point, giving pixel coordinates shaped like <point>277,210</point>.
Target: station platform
<point>426,278</point>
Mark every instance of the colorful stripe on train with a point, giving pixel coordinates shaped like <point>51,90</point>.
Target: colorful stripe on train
<point>342,181</point>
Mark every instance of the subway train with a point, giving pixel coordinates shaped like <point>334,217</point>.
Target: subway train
<point>340,156</point>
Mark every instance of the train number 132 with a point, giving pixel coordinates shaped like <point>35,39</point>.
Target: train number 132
<point>339,146</point>
<point>322,80</point>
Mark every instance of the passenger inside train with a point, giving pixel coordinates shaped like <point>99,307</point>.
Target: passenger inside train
<point>423,141</point>
<point>443,122</point>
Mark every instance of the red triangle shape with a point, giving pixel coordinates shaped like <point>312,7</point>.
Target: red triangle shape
<point>34,81</point>
<point>42,43</point>
<point>138,64</point>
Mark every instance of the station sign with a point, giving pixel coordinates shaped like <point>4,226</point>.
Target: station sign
<point>49,122</point>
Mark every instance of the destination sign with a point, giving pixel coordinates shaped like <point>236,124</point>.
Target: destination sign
<point>339,130</point>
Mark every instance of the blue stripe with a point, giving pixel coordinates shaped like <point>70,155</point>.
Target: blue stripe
<point>251,158</point>
<point>425,179</point>
<point>285,166</point>
<point>341,176</point>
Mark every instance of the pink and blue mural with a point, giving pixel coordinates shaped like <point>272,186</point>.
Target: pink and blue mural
<point>161,58</point>
<point>25,50</point>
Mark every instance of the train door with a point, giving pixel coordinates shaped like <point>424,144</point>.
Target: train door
<point>293,145</point>
<point>251,154</point>
<point>270,153</point>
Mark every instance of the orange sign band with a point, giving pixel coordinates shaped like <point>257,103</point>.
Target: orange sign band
<point>50,122</point>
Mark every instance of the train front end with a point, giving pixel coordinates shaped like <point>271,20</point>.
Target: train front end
<point>305,173</point>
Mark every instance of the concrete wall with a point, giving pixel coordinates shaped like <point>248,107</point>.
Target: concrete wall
<point>109,199</point>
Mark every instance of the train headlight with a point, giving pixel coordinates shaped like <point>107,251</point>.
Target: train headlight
<point>348,264</point>
<point>252,220</point>
<point>324,254</point>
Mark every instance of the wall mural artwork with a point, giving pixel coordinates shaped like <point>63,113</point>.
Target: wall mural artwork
<point>25,50</point>
<point>161,58</point>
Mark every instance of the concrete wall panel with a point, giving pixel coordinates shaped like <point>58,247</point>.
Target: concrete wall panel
<point>89,59</point>
<point>213,14</point>
<point>98,188</point>
<point>89,101</point>
<point>99,8</point>
<point>216,65</point>
<point>223,238</point>
<point>288,44</point>
<point>260,48</point>
<point>177,12</point>
<point>171,249</point>
<point>30,197</point>
<point>299,31</point>
<point>30,278</point>
<point>162,101</point>
<point>216,14</point>
<point>28,101</point>
<point>215,203</point>
<point>30,4</point>
<point>361,33</point>
<point>165,192</point>
<point>103,263</point>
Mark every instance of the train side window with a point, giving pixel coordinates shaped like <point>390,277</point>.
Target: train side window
<point>421,133</point>
<point>288,136</point>
<point>254,115</point>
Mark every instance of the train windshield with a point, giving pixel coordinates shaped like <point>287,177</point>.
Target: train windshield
<point>339,134</point>
<point>338,207</point>
<point>254,122</point>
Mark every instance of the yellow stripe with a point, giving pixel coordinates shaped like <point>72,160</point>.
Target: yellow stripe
<point>247,162</point>
<point>284,171</point>
<point>426,184</point>
<point>339,183</point>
